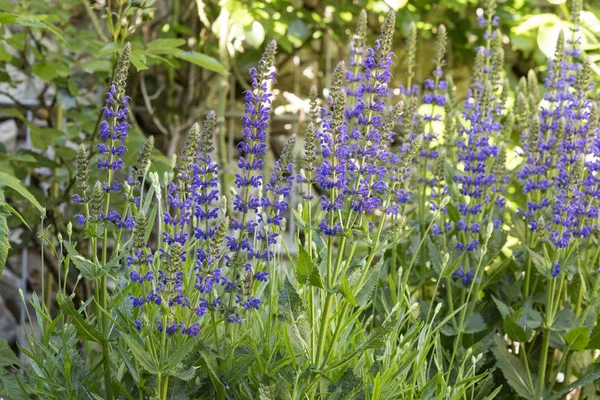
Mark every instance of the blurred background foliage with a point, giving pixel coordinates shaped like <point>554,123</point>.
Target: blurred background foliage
<point>193,55</point>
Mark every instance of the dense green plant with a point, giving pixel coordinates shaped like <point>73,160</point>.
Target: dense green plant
<point>441,248</point>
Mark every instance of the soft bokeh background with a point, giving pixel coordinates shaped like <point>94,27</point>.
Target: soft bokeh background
<point>190,56</point>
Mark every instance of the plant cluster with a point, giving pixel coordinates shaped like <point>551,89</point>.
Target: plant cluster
<point>431,255</point>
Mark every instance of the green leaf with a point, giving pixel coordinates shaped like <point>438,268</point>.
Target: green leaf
<point>514,331</point>
<point>183,373</point>
<point>527,317</point>
<point>590,377</point>
<point>202,60</point>
<point>535,21</point>
<point>210,364</point>
<point>304,265</point>
<point>4,55</point>
<point>291,310</point>
<point>513,369</point>
<point>475,324</point>
<point>16,185</point>
<point>564,320</point>
<point>141,355</point>
<point>543,266</point>
<point>97,66</point>
<point>547,37</point>
<point>88,269</point>
<point>84,329</point>
<point>346,291</point>
<point>7,356</point>
<point>139,61</point>
<point>178,356</point>
<point>47,70</point>
<point>594,343</point>
<point>165,46</point>
<point>502,307</point>
<point>4,242</point>
<point>578,338</point>
<point>364,293</point>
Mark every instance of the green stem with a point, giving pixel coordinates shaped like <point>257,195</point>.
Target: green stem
<point>324,325</point>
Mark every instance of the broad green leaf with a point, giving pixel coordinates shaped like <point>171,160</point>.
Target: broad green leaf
<point>578,338</point>
<point>183,373</point>
<point>11,385</point>
<point>97,66</point>
<point>542,265</point>
<point>366,291</point>
<point>7,356</point>
<point>165,46</point>
<point>528,318</point>
<point>594,342</point>
<point>502,307</point>
<point>88,269</point>
<point>16,185</point>
<point>202,60</point>
<point>84,329</point>
<point>141,355</point>
<point>255,35</point>
<point>514,331</point>
<point>304,265</point>
<point>139,61</point>
<point>513,369</point>
<point>171,363</point>
<point>564,320</point>
<point>346,291</point>
<point>316,279</point>
<point>210,364</point>
<point>535,21</point>
<point>475,324</point>
<point>47,70</point>
<point>4,55</point>
<point>590,377</point>
<point>547,37</point>
<point>291,310</point>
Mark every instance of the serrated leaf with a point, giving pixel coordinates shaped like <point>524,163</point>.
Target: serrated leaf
<point>346,291</point>
<point>304,265</point>
<point>291,310</point>
<point>564,320</point>
<point>578,338</point>
<point>209,363</point>
<point>513,369</point>
<point>315,278</point>
<point>364,293</point>
<point>528,318</point>
<point>541,264</point>
<point>88,269</point>
<point>180,354</point>
<point>502,307</point>
<point>84,329</point>
<point>475,324</point>
<point>183,373</point>
<point>514,331</point>
<point>141,355</point>
<point>594,343</point>
<point>7,356</point>
<point>590,377</point>
<point>17,186</point>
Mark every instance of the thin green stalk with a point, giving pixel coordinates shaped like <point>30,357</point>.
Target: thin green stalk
<point>324,327</point>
